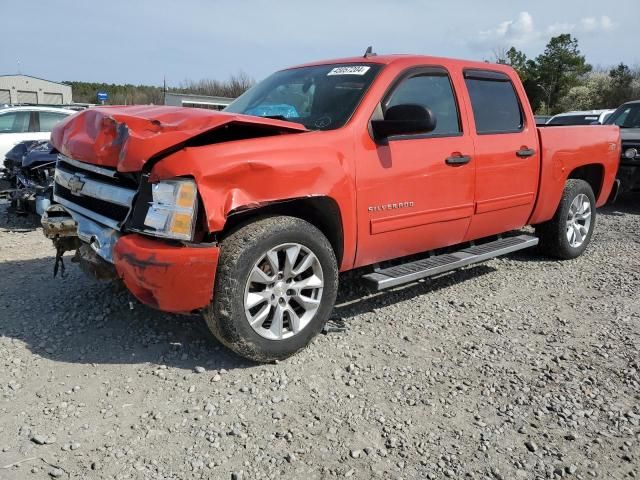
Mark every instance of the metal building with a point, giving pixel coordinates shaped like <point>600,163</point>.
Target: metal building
<point>16,89</point>
<point>198,101</point>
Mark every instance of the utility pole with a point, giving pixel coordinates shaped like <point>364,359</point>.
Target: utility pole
<point>547,91</point>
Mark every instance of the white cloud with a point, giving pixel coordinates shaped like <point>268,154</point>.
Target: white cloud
<point>522,31</point>
<point>557,28</point>
<point>594,24</point>
<point>517,32</point>
<point>584,25</point>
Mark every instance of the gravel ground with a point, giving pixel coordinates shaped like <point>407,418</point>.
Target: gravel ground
<point>522,367</point>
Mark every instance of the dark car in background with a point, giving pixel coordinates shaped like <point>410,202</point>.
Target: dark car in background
<point>627,117</point>
<point>28,169</point>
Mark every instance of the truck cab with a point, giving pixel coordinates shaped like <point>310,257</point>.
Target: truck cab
<point>405,166</point>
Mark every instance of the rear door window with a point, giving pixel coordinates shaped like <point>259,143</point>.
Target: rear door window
<point>496,108</point>
<point>49,119</point>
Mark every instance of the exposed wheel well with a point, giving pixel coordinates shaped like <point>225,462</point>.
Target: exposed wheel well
<point>322,212</point>
<point>593,174</point>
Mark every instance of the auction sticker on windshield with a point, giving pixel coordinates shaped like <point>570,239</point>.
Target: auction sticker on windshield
<point>351,70</point>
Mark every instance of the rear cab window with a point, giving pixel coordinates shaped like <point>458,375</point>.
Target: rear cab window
<point>496,107</point>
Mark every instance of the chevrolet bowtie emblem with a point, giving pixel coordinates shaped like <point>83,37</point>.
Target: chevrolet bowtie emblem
<point>75,184</point>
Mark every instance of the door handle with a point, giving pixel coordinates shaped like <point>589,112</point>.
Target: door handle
<point>456,160</point>
<point>526,152</point>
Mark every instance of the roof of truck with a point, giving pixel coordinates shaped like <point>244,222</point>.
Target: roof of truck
<point>410,58</point>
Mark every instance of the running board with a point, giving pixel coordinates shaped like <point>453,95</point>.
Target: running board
<point>429,267</point>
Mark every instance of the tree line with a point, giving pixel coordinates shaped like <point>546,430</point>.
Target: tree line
<point>129,94</point>
<point>557,80</point>
<point>560,79</point>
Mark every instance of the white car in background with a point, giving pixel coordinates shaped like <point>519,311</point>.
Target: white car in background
<point>18,124</point>
<point>589,117</point>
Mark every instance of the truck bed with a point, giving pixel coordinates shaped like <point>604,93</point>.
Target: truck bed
<point>563,150</point>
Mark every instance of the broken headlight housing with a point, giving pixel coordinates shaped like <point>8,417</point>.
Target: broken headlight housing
<point>173,209</point>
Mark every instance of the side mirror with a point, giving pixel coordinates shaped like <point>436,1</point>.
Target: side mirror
<point>406,119</point>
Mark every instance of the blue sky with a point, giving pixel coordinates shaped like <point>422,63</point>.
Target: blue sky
<point>140,41</point>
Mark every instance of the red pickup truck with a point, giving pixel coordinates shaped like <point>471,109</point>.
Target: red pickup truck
<point>411,165</point>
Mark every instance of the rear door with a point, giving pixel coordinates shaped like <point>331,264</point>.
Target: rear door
<point>507,159</point>
<point>416,192</point>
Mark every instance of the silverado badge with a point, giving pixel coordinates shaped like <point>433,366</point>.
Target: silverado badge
<point>390,206</point>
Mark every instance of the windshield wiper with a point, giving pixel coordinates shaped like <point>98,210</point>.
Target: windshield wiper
<point>276,117</point>
<point>284,119</point>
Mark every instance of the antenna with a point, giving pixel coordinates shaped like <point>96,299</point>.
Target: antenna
<point>369,52</point>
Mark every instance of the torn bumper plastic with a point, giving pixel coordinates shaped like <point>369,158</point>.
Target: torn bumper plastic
<point>59,222</point>
<point>172,278</point>
<point>91,241</point>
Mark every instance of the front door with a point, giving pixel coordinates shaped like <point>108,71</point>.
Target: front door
<point>15,127</point>
<point>416,192</point>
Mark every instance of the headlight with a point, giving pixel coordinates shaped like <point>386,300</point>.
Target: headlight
<point>630,153</point>
<point>173,210</point>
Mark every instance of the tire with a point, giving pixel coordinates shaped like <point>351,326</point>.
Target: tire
<point>243,258</point>
<point>554,235</point>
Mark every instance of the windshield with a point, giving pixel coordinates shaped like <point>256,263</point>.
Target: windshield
<point>321,97</point>
<point>627,116</point>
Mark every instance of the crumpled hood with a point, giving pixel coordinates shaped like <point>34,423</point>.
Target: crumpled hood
<point>127,137</point>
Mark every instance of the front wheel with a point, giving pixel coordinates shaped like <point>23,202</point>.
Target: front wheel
<point>275,288</point>
<point>568,233</point>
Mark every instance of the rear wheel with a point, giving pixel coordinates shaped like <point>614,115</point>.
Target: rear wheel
<point>275,288</point>
<point>569,232</point>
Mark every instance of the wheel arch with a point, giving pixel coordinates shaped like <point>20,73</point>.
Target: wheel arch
<point>552,186</point>
<point>593,174</point>
<point>321,211</point>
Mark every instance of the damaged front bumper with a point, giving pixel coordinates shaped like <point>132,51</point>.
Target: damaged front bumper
<point>93,243</point>
<point>59,222</point>
<point>170,277</point>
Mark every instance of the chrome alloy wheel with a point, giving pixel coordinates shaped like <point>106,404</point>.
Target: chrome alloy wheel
<point>283,291</point>
<point>579,220</point>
